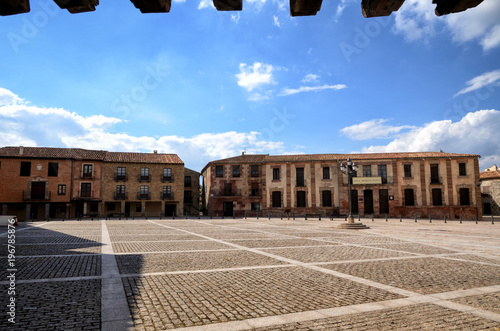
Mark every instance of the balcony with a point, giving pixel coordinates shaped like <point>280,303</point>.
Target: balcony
<point>436,180</point>
<point>301,183</point>
<point>85,194</point>
<point>167,179</point>
<point>120,196</point>
<point>29,196</point>
<point>167,196</point>
<point>144,178</point>
<point>143,196</point>
<point>122,178</point>
<point>87,175</point>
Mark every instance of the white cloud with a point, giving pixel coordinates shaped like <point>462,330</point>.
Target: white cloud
<point>479,23</point>
<point>55,127</point>
<point>475,133</point>
<point>276,21</point>
<point>373,129</point>
<point>481,81</point>
<point>205,4</point>
<point>258,3</point>
<point>254,76</point>
<point>289,91</point>
<point>236,17</point>
<point>341,6</point>
<point>310,78</point>
<point>416,20</point>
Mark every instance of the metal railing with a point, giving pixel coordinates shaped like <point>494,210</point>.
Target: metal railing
<point>167,196</point>
<point>120,196</point>
<point>143,196</point>
<point>144,178</point>
<point>121,178</point>
<point>227,193</point>
<point>436,180</point>
<point>85,194</point>
<point>29,196</point>
<point>167,179</point>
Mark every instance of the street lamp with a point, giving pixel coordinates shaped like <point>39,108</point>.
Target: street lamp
<point>349,170</point>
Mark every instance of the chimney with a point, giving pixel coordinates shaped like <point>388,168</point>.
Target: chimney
<point>21,150</point>
<point>155,151</point>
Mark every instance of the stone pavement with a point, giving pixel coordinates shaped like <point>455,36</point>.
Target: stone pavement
<point>252,274</point>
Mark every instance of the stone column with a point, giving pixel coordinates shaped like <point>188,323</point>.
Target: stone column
<point>47,211</point>
<point>85,207</point>
<point>68,210</point>
<point>143,208</point>
<point>163,207</point>
<point>122,206</point>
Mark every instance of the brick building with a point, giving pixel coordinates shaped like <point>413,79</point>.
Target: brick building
<point>490,191</point>
<point>407,184</point>
<point>42,183</point>
<point>191,192</point>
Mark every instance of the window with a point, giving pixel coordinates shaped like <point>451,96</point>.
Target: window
<point>86,190</point>
<point>327,198</point>
<point>228,189</point>
<point>301,199</point>
<point>187,181</point>
<point>276,199</point>
<point>409,197</point>
<point>167,175</point>
<point>120,191</point>
<point>53,169</point>
<point>61,189</point>
<point>219,171</point>
<point>144,192</point>
<point>145,174</point>
<point>255,206</point>
<point>167,192</point>
<point>382,172</point>
<point>407,170</point>
<point>326,172</point>
<point>367,171</point>
<point>236,171</point>
<point>255,170</point>
<point>188,198</point>
<point>437,199</point>
<point>87,170</point>
<point>276,173</point>
<point>300,177</point>
<point>435,174</point>
<point>121,173</point>
<point>462,169</point>
<point>464,197</point>
<point>255,190</point>
<point>25,169</point>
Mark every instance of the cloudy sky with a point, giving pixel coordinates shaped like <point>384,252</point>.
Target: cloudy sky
<point>208,85</point>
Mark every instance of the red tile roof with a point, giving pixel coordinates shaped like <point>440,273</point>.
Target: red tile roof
<point>490,175</point>
<point>86,154</point>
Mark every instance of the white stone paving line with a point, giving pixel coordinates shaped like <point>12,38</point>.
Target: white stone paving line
<point>115,313</point>
<point>413,297</point>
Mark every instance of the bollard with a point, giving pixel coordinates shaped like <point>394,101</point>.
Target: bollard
<point>305,217</point>
<point>268,215</point>
<point>233,215</point>
<point>359,217</point>
<point>460,219</point>
<point>400,218</point>
<point>173,215</point>
<point>257,215</point>
<point>430,219</point>
<point>445,219</point>
<point>386,218</point>
<point>210,215</point>
<point>133,216</point>
<point>198,214</point>
<point>293,216</point>
<point>373,218</point>
<point>146,215</point>
<point>476,219</point>
<point>281,214</point>
<point>415,218</point>
<point>245,214</point>
<point>320,217</point>
<point>492,220</point>
<point>186,214</point>
<point>160,216</point>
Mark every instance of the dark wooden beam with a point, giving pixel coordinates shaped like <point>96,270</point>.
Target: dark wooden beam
<point>376,8</point>
<point>153,6</point>
<point>444,7</point>
<point>225,5</point>
<point>13,7</point>
<point>77,6</point>
<point>305,7</point>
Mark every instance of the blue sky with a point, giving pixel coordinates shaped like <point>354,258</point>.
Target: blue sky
<point>208,85</point>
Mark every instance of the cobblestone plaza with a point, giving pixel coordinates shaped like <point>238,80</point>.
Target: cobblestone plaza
<point>253,274</point>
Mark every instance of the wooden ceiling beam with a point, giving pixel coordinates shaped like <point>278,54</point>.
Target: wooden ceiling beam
<point>77,6</point>
<point>227,5</point>
<point>376,8</point>
<point>153,6</point>
<point>445,7</point>
<point>305,7</point>
<point>13,7</point>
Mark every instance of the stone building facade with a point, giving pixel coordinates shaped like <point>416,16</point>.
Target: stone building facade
<point>393,184</point>
<point>490,191</point>
<point>191,192</point>
<point>43,183</point>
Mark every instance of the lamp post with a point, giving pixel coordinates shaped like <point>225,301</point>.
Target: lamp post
<point>349,170</point>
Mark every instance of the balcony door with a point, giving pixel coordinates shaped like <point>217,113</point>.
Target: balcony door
<point>300,177</point>
<point>38,190</point>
